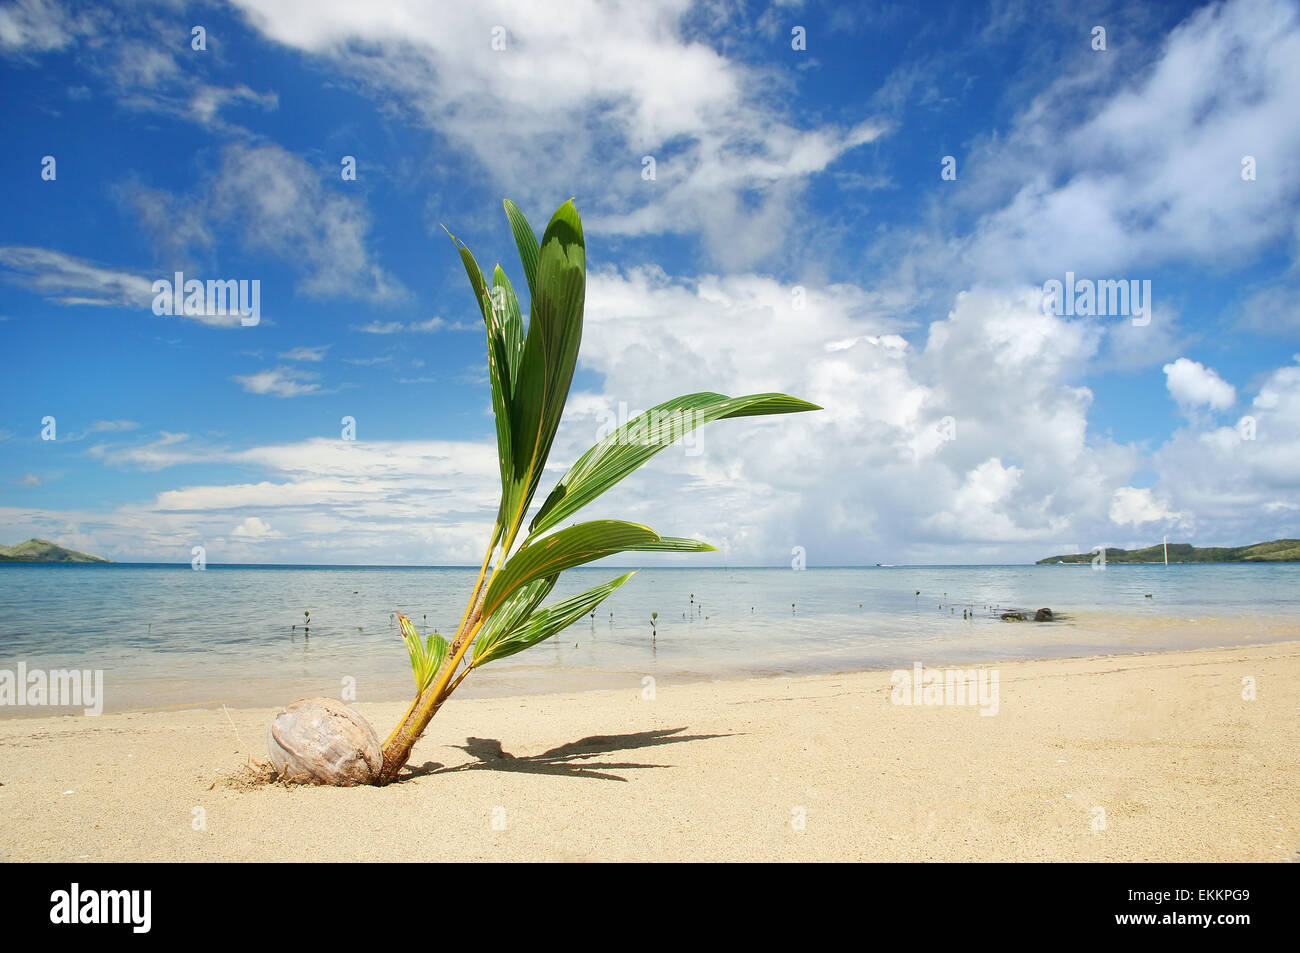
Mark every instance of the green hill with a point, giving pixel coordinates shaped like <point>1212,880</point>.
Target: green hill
<point>1278,551</point>
<point>43,551</point>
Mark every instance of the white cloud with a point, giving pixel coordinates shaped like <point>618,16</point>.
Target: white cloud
<point>253,527</point>
<point>279,382</point>
<point>98,427</point>
<point>281,208</point>
<point>1244,481</point>
<point>165,451</point>
<point>419,327</point>
<point>36,26</point>
<point>207,101</point>
<point>1133,506</point>
<point>593,86</point>
<point>1131,163</point>
<point>872,476</point>
<point>381,327</point>
<point>27,479</point>
<point>1194,385</point>
<point>70,280</point>
<point>320,500</point>
<point>110,426</point>
<point>308,354</point>
<point>286,211</point>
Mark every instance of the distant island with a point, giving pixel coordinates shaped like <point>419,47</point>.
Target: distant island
<point>43,551</point>
<point>1278,551</point>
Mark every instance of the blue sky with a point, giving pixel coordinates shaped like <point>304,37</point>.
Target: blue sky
<point>797,235</point>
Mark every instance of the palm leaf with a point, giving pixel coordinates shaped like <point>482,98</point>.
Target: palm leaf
<point>550,620</point>
<point>631,445</point>
<point>526,242</point>
<point>510,323</point>
<point>426,656</point>
<point>550,351</point>
<point>503,331</point>
<point>513,611</point>
<point>573,546</point>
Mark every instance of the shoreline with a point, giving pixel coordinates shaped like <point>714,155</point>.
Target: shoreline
<point>605,680</point>
<point>1162,747</point>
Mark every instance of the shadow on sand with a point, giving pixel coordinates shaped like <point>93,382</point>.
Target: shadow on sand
<point>568,760</point>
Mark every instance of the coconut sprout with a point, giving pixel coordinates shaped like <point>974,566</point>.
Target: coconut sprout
<point>530,369</point>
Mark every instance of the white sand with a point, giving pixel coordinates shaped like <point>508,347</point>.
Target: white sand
<point>1184,768</point>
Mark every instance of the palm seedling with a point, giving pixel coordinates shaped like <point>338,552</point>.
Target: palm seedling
<point>530,369</point>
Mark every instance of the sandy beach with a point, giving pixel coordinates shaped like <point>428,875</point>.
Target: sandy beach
<point>1123,758</point>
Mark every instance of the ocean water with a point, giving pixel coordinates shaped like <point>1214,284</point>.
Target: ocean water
<point>170,637</point>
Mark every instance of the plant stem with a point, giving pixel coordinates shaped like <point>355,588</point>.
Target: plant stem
<point>397,750</point>
<point>398,745</point>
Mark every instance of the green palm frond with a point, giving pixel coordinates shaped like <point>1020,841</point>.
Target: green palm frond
<point>527,630</point>
<point>426,656</point>
<point>641,438</point>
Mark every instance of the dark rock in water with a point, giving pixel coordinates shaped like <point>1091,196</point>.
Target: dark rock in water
<point>1013,617</point>
<point>1043,615</point>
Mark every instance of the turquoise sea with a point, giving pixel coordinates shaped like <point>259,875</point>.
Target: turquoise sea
<point>166,636</point>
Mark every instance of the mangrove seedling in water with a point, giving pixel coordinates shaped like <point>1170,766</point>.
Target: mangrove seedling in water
<point>530,369</point>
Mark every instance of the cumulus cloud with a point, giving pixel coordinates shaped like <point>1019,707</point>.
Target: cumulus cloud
<point>1133,506</point>
<point>253,527</point>
<point>1193,385</point>
<point>1244,480</point>
<point>878,472</point>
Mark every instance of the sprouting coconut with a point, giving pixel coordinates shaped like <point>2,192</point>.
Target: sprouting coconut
<point>323,741</point>
<point>530,370</point>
